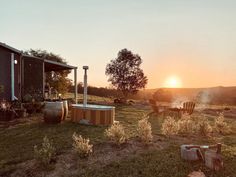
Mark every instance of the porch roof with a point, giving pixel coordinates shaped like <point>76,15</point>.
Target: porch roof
<point>50,65</point>
<point>56,66</point>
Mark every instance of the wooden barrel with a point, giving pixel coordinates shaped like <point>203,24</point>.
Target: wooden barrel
<point>53,112</point>
<point>65,106</point>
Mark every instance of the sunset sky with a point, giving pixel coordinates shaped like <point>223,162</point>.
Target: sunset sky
<point>193,41</point>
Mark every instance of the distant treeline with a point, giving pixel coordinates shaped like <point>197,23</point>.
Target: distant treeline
<point>98,91</point>
<point>214,95</point>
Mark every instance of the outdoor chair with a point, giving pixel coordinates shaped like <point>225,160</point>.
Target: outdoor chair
<point>188,108</point>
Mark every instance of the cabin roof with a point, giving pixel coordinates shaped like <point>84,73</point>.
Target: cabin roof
<point>49,64</point>
<point>10,48</point>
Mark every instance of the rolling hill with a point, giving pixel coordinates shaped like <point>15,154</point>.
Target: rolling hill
<point>212,95</point>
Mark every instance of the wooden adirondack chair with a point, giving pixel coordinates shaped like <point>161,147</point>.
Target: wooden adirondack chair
<point>188,108</point>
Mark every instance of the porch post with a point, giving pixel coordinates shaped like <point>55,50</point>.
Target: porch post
<point>12,77</point>
<point>44,78</point>
<point>75,82</point>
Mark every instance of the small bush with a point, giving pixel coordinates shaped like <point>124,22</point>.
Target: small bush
<point>81,145</point>
<point>221,126</point>
<point>203,127</point>
<point>185,125</point>
<point>144,130</point>
<point>46,153</point>
<point>116,133</point>
<point>169,126</point>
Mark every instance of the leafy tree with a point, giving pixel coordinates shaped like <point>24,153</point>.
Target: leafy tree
<point>56,79</point>
<point>125,73</point>
<point>163,95</point>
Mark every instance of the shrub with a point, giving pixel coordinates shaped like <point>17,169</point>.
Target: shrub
<point>220,125</point>
<point>116,133</point>
<point>169,126</point>
<point>185,125</point>
<point>203,127</point>
<point>81,145</point>
<point>4,105</point>
<point>145,130</point>
<point>46,153</point>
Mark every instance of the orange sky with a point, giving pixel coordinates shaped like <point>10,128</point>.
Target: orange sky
<point>193,40</point>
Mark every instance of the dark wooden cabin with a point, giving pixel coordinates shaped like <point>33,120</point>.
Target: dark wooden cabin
<point>21,74</point>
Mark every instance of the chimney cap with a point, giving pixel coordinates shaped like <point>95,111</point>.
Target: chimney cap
<point>85,67</point>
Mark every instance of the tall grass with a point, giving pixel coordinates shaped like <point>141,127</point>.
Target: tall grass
<point>169,126</point>
<point>144,130</point>
<point>221,126</point>
<point>81,145</point>
<point>116,133</point>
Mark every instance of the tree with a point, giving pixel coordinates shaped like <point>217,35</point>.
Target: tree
<point>125,73</point>
<point>56,79</point>
<point>163,95</point>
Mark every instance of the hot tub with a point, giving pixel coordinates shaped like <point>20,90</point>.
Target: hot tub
<point>93,114</point>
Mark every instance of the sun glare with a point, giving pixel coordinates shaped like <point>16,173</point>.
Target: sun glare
<point>173,82</point>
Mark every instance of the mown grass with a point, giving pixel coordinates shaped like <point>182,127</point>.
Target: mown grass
<point>16,145</point>
<point>160,163</point>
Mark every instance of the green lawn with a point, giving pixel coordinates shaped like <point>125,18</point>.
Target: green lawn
<point>16,146</point>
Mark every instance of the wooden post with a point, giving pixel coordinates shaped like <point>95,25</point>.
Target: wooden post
<point>85,85</point>
<point>44,78</point>
<point>75,82</point>
<point>12,77</point>
<point>22,78</point>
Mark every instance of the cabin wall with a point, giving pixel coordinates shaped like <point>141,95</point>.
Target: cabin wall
<point>5,74</point>
<point>33,79</point>
<point>17,76</point>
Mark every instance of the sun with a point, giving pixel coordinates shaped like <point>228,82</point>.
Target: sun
<point>173,82</point>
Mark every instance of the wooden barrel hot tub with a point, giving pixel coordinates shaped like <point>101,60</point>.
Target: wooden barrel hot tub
<point>93,114</point>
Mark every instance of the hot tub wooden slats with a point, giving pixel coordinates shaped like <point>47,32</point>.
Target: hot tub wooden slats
<point>94,117</point>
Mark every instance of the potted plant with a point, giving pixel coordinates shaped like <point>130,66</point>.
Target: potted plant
<point>6,111</point>
<point>33,101</point>
<point>19,110</point>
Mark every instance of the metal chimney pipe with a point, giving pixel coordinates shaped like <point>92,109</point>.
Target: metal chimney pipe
<point>85,85</point>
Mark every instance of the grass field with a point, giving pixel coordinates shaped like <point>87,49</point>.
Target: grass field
<point>133,159</point>
<point>91,98</point>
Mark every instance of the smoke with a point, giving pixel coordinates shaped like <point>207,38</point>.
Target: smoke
<point>178,102</point>
<point>203,98</point>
